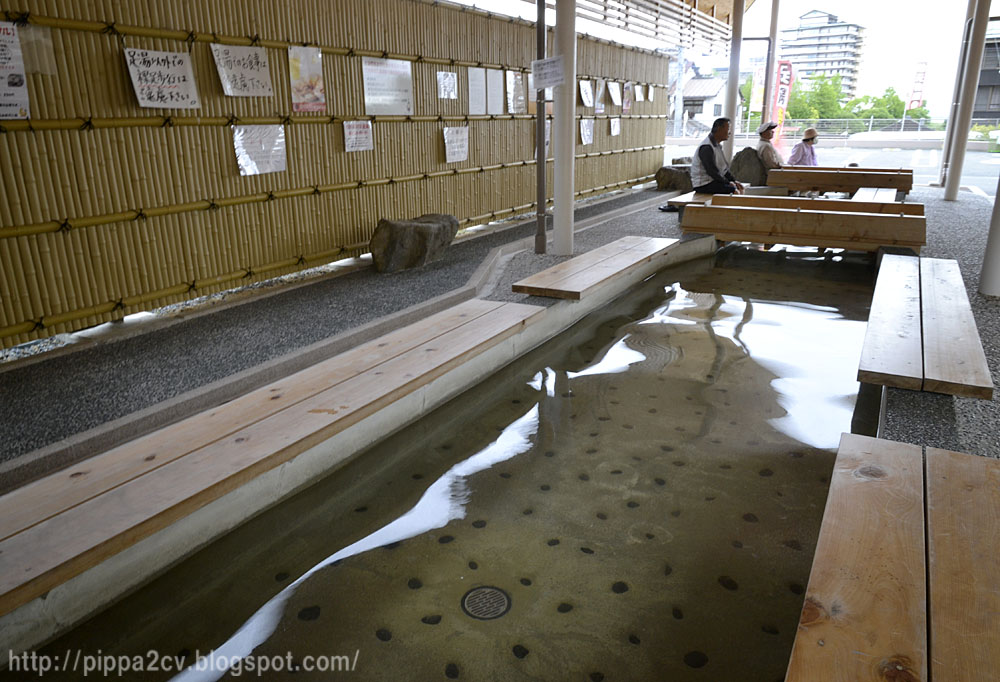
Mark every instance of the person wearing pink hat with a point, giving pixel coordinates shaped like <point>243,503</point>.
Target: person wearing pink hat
<point>804,154</point>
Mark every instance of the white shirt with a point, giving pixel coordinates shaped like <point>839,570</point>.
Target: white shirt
<point>769,156</point>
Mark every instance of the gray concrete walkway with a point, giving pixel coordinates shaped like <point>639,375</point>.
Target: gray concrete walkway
<point>60,409</point>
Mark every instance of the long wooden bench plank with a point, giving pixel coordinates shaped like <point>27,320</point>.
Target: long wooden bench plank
<point>49,553</point>
<point>550,276</point>
<point>37,501</point>
<point>580,281</point>
<point>866,227</point>
<point>891,354</point>
<point>963,516</point>
<point>690,198</point>
<point>837,181</point>
<point>799,240</point>
<point>846,205</point>
<point>954,361</point>
<point>864,616</point>
<point>854,169</point>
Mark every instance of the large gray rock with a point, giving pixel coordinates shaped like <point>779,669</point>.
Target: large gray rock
<point>748,168</point>
<point>670,179</point>
<point>682,160</point>
<point>400,244</point>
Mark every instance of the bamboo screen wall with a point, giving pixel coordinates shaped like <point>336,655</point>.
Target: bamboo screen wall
<point>107,208</point>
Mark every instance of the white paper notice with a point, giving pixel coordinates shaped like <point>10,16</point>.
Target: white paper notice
<point>616,127</point>
<point>627,98</point>
<point>548,138</point>
<point>640,93</point>
<point>447,85</point>
<point>456,144</point>
<point>13,86</point>
<point>548,72</point>
<point>587,131</point>
<point>587,93</point>
<point>615,90</point>
<point>516,103</point>
<point>358,136</point>
<point>162,79</point>
<point>305,67</point>
<point>36,45</point>
<point>244,71</point>
<point>599,96</point>
<point>649,92</point>
<point>259,149</point>
<point>388,86</point>
<point>477,91</point>
<point>494,91</point>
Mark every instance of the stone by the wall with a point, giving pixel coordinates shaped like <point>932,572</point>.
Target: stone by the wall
<point>747,167</point>
<point>673,180</point>
<point>681,160</point>
<point>400,244</point>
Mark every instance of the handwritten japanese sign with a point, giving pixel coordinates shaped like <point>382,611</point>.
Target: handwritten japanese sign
<point>616,127</point>
<point>388,86</point>
<point>162,79</point>
<point>456,144</point>
<point>587,92</point>
<point>243,70</point>
<point>477,91</point>
<point>587,131</point>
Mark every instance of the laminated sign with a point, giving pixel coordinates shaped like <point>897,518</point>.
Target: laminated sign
<point>162,79</point>
<point>13,87</point>
<point>388,86</point>
<point>243,70</point>
<point>358,136</point>
<point>259,149</point>
<point>456,144</point>
<point>305,67</point>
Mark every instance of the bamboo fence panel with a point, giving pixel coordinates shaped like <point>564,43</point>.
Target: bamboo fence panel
<point>107,208</point>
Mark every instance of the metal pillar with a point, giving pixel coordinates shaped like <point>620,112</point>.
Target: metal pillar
<point>963,57</point>
<point>970,82</point>
<point>540,154</point>
<point>733,82</point>
<point>989,276</point>
<point>563,128</point>
<point>772,53</point>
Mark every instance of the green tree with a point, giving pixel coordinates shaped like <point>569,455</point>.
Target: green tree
<point>826,95</point>
<point>889,105</point>
<point>799,105</point>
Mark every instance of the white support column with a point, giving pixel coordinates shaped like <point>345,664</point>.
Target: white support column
<point>733,82</point>
<point>963,57</point>
<point>989,276</point>
<point>772,53</point>
<point>970,82</point>
<point>564,129</point>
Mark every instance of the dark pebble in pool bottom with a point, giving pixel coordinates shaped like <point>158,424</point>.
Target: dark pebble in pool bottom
<point>473,565</point>
<point>281,577</point>
<point>766,472</point>
<point>309,613</point>
<point>546,487</point>
<point>602,516</point>
<point>445,539</point>
<point>414,583</point>
<point>505,475</point>
<point>526,582</point>
<point>728,582</point>
<point>678,614</point>
<point>666,448</point>
<point>796,588</point>
<point>793,544</point>
<point>769,629</point>
<point>675,513</point>
<point>550,453</point>
<point>584,477</point>
<point>634,639</point>
<point>659,481</point>
<point>520,651</point>
<point>695,659</point>
<point>597,677</point>
<point>737,544</point>
<point>361,509</point>
<point>431,620</point>
<point>479,524</point>
<point>619,587</point>
<point>750,518</point>
<point>451,671</point>
<point>586,550</point>
<point>383,634</point>
<point>632,505</point>
<point>564,608</point>
<point>553,542</point>
<point>668,569</point>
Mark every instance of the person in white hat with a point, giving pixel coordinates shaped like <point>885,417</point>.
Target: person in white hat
<point>769,156</point>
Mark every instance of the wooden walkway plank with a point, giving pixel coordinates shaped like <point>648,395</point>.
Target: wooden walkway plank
<point>545,278</point>
<point>820,204</point>
<point>52,552</point>
<point>954,360</point>
<point>891,353</point>
<point>841,180</point>
<point>963,516</point>
<point>577,280</point>
<point>864,617</point>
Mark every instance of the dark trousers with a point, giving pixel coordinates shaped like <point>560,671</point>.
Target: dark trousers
<point>716,187</point>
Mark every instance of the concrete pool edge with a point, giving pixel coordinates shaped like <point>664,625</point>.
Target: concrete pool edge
<point>67,605</point>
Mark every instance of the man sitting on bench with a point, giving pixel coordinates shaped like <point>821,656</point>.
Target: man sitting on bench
<point>709,166</point>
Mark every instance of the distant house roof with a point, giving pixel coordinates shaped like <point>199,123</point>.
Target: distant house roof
<point>703,88</point>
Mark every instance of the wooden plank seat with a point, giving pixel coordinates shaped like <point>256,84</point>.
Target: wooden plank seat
<point>875,195</point>
<point>874,608</point>
<point>575,278</point>
<point>59,526</point>
<point>921,332</point>
<point>818,204</point>
<point>840,180</point>
<point>862,169</point>
<point>804,227</point>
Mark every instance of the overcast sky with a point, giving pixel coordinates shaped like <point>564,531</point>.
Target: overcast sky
<point>898,35</point>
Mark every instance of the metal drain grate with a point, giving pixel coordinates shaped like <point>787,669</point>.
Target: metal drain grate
<point>486,603</point>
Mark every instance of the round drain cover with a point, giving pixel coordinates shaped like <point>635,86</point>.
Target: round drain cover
<point>486,603</point>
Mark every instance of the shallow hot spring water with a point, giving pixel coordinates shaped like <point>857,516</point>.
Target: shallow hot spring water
<point>643,494</point>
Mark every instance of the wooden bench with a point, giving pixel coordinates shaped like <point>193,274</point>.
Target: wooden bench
<point>738,220</point>
<point>819,204</point>
<point>874,608</point>
<point>875,194</point>
<point>58,527</point>
<point>840,180</point>
<point>921,333</point>
<point>575,278</point>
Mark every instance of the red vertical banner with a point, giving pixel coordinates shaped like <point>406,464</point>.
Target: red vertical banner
<point>782,94</point>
